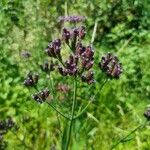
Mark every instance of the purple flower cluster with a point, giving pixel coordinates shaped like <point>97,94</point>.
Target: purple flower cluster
<point>89,77</point>
<point>41,96</point>
<point>111,65</point>
<point>74,34</point>
<point>53,48</point>
<point>78,63</point>
<point>73,19</point>
<point>31,80</point>
<point>70,67</point>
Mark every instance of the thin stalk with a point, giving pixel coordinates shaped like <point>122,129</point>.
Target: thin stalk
<point>63,115</point>
<point>94,32</point>
<point>82,111</point>
<point>72,114</point>
<point>101,87</point>
<point>52,106</point>
<point>53,95</point>
<point>124,138</point>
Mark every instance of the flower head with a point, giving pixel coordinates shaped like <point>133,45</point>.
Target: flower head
<point>111,65</point>
<point>31,79</point>
<point>53,48</point>
<point>41,96</point>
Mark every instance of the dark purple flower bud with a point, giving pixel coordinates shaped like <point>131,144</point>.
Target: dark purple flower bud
<point>62,71</point>
<point>147,114</point>
<point>75,33</point>
<point>89,52</point>
<point>89,78</point>
<point>90,75</point>
<point>89,65</point>
<point>82,32</point>
<point>80,49</point>
<point>83,62</point>
<point>110,64</point>
<point>66,35</point>
<point>41,96</point>
<point>53,49</point>
<point>31,80</point>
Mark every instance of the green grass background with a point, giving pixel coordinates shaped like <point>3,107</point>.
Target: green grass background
<point>123,29</point>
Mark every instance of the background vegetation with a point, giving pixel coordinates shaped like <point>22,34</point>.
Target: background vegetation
<point>123,28</point>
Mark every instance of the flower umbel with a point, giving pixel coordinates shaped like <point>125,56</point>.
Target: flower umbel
<point>111,65</point>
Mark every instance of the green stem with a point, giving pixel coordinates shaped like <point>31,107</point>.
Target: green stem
<point>82,111</point>
<point>53,95</point>
<point>124,138</point>
<point>72,114</point>
<point>63,115</point>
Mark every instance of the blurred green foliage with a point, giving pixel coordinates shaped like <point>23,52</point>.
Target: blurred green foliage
<point>123,28</point>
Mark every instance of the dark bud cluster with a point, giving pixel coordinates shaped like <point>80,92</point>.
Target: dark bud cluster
<point>47,67</point>
<point>73,34</point>
<point>53,49</point>
<point>41,96</point>
<point>73,19</point>
<point>31,80</point>
<point>66,35</point>
<point>88,78</point>
<point>111,65</point>
<point>79,62</point>
<point>147,114</point>
<point>70,66</point>
<point>87,57</point>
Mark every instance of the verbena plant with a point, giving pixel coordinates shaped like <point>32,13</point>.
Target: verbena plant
<point>69,57</point>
